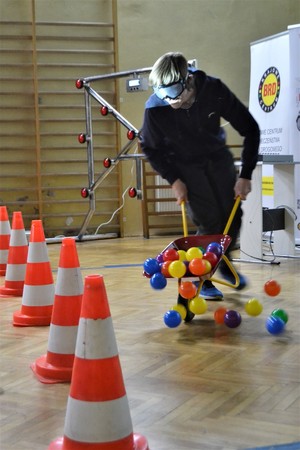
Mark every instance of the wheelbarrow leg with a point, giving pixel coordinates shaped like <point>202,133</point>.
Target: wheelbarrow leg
<point>185,302</point>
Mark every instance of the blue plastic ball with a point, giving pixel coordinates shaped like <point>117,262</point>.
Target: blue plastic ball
<point>158,281</point>
<point>275,325</point>
<point>232,319</point>
<point>216,248</point>
<point>151,266</point>
<point>172,319</point>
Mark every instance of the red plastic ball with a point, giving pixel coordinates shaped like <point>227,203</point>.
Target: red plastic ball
<point>272,288</point>
<point>170,254</point>
<point>212,258</point>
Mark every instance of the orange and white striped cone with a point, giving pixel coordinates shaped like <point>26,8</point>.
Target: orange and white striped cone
<point>16,261</point>
<point>38,294</point>
<point>56,366</point>
<point>97,416</point>
<point>4,239</point>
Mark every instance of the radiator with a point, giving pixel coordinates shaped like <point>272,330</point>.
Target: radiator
<point>164,194</point>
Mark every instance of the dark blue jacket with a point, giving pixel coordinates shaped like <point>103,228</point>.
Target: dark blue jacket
<point>172,137</point>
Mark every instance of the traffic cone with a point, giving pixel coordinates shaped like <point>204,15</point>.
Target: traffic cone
<point>56,366</point>
<point>4,239</point>
<point>16,261</point>
<point>38,294</point>
<point>97,415</point>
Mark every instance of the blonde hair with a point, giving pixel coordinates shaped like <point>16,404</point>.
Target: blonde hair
<point>169,68</point>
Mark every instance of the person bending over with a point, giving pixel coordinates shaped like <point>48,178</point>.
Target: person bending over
<point>184,142</point>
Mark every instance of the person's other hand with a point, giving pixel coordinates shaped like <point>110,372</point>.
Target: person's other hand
<point>242,188</point>
<point>180,191</point>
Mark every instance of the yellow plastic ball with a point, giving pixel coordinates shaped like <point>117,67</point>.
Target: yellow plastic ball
<point>253,307</point>
<point>177,269</point>
<point>207,265</point>
<point>193,252</point>
<point>198,305</point>
<point>182,255</point>
<point>181,310</point>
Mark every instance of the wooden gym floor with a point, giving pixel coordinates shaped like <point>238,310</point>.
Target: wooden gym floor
<point>200,386</point>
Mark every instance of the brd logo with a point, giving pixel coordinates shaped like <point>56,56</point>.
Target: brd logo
<point>269,89</point>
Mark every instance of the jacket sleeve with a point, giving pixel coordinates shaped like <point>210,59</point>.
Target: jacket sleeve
<point>233,110</point>
<point>155,148</point>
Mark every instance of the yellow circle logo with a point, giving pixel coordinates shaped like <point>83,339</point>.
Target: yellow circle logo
<point>269,89</point>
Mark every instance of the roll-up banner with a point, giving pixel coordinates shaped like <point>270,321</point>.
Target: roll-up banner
<point>275,103</point>
<point>294,34</point>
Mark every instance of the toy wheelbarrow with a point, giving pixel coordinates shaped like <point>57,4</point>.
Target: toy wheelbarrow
<point>187,242</point>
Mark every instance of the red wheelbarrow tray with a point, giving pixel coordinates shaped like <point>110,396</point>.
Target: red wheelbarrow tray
<point>184,243</point>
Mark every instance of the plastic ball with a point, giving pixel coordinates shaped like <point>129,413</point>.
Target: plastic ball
<point>187,289</point>
<point>193,252</point>
<point>158,281</point>
<point>170,254</point>
<point>181,310</point>
<point>159,258</point>
<point>275,325</point>
<point>253,307</point>
<point>215,247</point>
<point>208,265</point>
<point>188,273</point>
<point>198,305</point>
<point>164,268</point>
<point>182,255</point>
<point>151,266</point>
<point>232,319</point>
<point>281,313</point>
<point>199,266</point>
<point>211,257</point>
<point>172,319</point>
<point>177,269</point>
<point>272,288</point>
<point>219,315</point>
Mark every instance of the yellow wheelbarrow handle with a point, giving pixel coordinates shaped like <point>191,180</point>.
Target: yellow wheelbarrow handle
<point>184,221</point>
<point>226,229</point>
<point>232,214</point>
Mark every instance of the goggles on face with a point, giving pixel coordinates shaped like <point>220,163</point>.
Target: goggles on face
<point>171,91</point>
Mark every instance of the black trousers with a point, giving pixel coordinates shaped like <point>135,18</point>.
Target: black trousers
<point>210,185</point>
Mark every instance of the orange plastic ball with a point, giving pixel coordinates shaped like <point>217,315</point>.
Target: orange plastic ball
<point>164,268</point>
<point>187,289</point>
<point>219,315</point>
<point>272,288</point>
<point>199,266</point>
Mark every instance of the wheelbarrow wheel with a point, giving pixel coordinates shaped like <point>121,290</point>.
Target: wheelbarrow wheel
<point>183,301</point>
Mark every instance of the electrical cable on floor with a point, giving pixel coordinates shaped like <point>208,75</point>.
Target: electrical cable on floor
<point>123,200</point>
